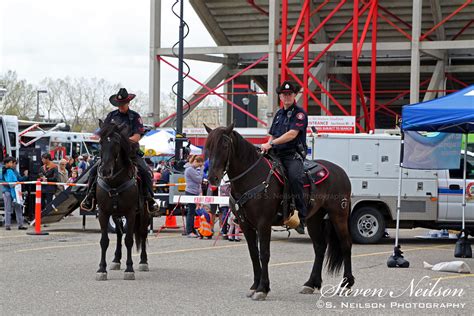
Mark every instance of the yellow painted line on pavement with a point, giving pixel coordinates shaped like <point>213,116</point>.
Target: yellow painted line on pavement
<point>193,249</point>
<point>29,236</point>
<point>459,276</point>
<point>357,256</point>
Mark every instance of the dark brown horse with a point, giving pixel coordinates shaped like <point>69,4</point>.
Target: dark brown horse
<point>118,196</point>
<point>229,153</point>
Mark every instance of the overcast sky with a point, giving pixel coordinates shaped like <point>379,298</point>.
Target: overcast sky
<point>92,38</point>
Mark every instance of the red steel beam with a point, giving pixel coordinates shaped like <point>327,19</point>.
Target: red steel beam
<point>348,25</point>
<point>456,80</point>
<point>329,94</point>
<point>365,30</point>
<point>306,55</point>
<point>213,90</point>
<point>284,23</point>
<point>355,36</point>
<point>373,70</point>
<point>316,30</point>
<point>462,30</point>
<point>295,77</point>
<point>445,19</point>
<point>297,27</point>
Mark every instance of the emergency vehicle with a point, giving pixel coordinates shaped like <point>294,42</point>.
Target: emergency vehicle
<point>430,198</point>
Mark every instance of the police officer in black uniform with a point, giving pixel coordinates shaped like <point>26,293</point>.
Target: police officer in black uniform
<point>124,115</point>
<point>288,140</point>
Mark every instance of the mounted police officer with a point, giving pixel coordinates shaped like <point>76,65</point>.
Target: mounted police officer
<point>135,126</point>
<point>288,140</point>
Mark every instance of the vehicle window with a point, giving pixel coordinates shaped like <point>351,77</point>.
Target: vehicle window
<point>12,137</point>
<point>458,173</point>
<point>93,148</point>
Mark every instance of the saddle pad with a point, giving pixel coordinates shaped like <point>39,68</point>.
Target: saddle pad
<point>317,172</point>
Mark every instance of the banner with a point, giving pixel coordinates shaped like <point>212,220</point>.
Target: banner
<point>433,150</point>
<point>332,124</point>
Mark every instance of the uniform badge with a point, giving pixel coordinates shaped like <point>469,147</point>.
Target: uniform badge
<point>287,86</point>
<point>300,116</point>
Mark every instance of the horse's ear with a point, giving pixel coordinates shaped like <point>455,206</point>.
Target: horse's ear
<point>208,129</point>
<point>229,129</point>
<point>101,123</point>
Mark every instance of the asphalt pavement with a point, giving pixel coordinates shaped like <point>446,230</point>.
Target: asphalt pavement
<point>55,275</point>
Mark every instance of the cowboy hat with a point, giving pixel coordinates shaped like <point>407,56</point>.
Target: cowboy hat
<point>121,97</point>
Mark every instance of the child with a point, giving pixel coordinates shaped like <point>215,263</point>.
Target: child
<point>73,177</point>
<point>205,228</point>
<point>234,228</point>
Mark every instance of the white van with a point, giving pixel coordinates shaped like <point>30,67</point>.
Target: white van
<point>430,198</point>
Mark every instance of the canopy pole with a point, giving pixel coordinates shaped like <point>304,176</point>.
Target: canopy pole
<point>397,260</point>
<point>464,180</point>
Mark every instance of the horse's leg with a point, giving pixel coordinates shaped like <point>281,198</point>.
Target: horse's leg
<point>143,266</point>
<point>316,232</point>
<point>251,237</point>
<point>101,274</point>
<point>115,265</point>
<point>264,235</point>
<point>129,273</point>
<point>341,226</point>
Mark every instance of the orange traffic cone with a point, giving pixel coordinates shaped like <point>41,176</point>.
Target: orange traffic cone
<point>197,221</point>
<point>170,222</point>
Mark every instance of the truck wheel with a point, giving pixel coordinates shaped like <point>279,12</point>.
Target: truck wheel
<point>112,225</point>
<point>367,225</point>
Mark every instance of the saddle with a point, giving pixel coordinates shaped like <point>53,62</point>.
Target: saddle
<point>314,174</point>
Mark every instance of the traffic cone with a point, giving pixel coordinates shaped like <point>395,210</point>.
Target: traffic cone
<point>197,221</point>
<point>170,222</point>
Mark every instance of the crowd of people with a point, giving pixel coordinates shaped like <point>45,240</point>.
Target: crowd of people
<point>66,170</point>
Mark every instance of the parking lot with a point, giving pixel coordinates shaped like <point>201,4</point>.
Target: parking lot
<point>55,274</point>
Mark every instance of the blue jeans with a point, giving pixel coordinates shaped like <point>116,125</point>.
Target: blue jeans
<point>190,214</point>
<point>11,207</point>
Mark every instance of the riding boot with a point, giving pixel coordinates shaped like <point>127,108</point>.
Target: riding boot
<point>153,207</point>
<point>300,228</point>
<point>88,204</point>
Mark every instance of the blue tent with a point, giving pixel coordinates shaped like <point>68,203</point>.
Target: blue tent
<point>453,113</point>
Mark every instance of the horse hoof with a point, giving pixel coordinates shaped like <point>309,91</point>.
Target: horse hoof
<point>307,290</point>
<point>250,293</point>
<point>143,267</point>
<point>115,266</point>
<point>259,296</point>
<point>129,276</point>
<point>101,276</point>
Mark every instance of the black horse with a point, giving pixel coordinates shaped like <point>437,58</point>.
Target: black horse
<point>118,195</point>
<point>230,153</point>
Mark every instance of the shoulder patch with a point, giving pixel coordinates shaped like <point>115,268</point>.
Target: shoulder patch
<point>300,116</point>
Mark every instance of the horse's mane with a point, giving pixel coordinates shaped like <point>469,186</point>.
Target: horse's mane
<point>241,145</point>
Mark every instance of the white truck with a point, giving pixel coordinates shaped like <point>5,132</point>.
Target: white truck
<point>430,198</point>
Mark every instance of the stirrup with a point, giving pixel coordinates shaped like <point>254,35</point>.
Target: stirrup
<point>85,209</point>
<point>293,221</point>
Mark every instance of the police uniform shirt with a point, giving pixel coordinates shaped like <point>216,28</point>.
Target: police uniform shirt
<point>131,118</point>
<point>292,118</point>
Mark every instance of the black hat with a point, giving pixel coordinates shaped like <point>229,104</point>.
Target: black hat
<point>121,97</point>
<point>288,86</point>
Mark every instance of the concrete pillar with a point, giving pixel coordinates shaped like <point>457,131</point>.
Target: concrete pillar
<point>154,65</point>
<point>273,61</point>
<point>415,52</point>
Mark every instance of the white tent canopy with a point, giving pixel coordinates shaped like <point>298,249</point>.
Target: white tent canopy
<point>162,143</point>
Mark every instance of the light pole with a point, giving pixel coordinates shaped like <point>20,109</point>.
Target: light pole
<point>37,116</point>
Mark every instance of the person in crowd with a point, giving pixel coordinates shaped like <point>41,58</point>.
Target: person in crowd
<point>193,178</point>
<point>73,177</point>
<point>234,228</point>
<point>49,173</point>
<point>10,199</point>
<point>165,175</point>
<point>224,189</point>
<point>63,175</point>
<point>84,162</point>
<point>206,224</point>
<point>157,175</point>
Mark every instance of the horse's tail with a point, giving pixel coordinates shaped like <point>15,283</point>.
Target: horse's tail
<point>334,256</point>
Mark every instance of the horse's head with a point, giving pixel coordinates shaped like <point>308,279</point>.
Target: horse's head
<point>219,150</point>
<point>114,143</point>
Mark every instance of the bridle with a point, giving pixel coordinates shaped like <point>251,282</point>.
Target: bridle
<point>229,153</point>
